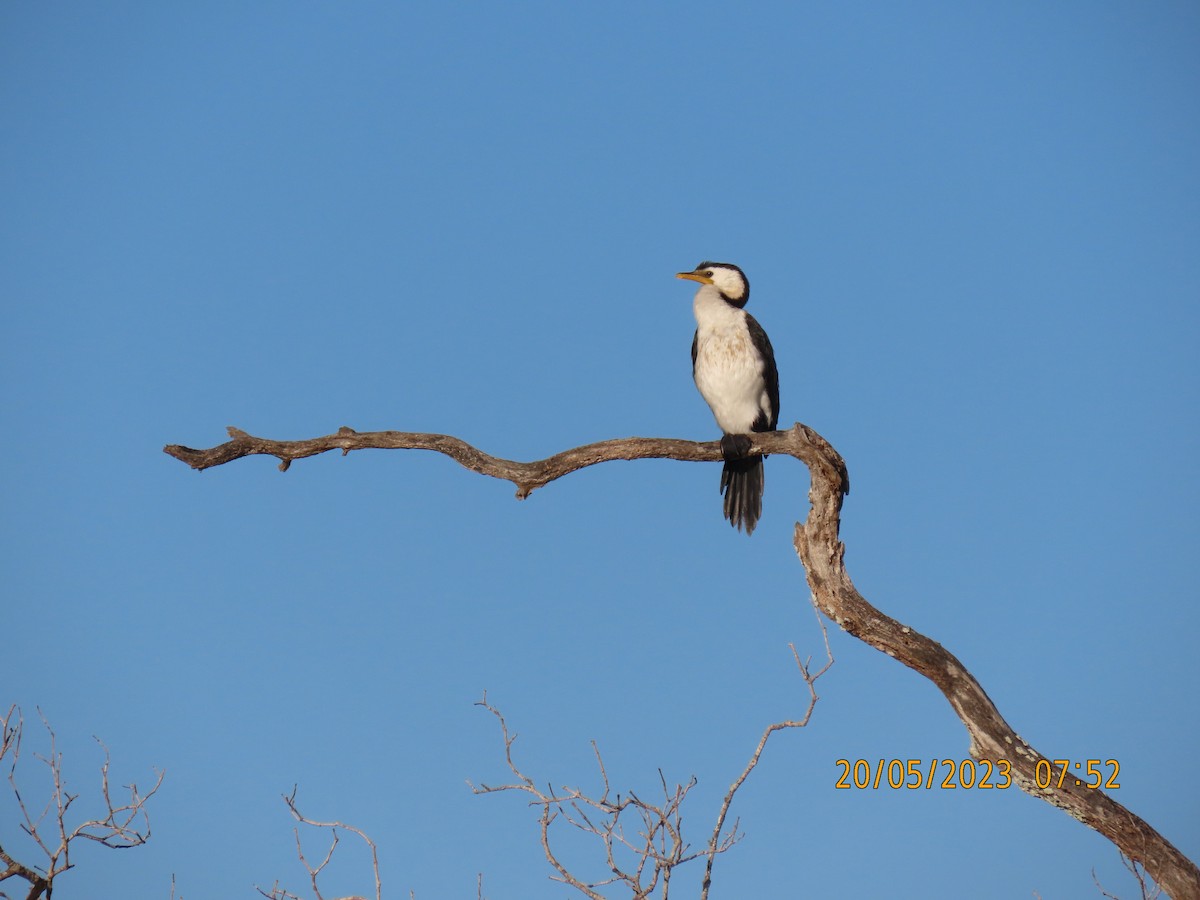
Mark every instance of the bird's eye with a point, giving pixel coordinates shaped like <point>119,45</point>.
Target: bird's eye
<point>707,274</point>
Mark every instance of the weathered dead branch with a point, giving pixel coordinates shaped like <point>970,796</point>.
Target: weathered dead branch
<point>817,543</point>
<point>528,477</point>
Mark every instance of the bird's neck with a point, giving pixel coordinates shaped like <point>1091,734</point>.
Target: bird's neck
<point>714,311</point>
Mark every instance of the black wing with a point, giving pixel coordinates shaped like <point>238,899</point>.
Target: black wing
<point>770,373</point>
<point>695,342</point>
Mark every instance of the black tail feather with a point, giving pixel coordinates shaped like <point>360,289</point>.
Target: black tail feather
<point>742,485</point>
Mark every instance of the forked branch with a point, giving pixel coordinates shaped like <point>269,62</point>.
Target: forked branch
<point>644,855</point>
<point>818,545</point>
<point>121,824</point>
<point>314,869</point>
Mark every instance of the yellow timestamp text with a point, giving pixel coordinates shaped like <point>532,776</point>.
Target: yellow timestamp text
<point>948,774</point>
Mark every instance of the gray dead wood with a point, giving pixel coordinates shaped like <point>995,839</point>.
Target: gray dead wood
<point>818,545</point>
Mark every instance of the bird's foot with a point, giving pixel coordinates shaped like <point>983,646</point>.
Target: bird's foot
<point>735,446</point>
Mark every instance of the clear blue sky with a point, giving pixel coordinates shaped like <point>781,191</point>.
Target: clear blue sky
<point>973,234</point>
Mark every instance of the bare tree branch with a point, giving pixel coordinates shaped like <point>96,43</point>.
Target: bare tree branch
<point>642,857</point>
<point>528,477</point>
<point>991,737</point>
<point>715,843</point>
<point>314,870</point>
<point>551,806</point>
<point>1146,891</point>
<point>658,846</point>
<point>123,824</point>
<point>817,543</point>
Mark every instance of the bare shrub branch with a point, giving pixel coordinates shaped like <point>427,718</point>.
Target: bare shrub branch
<point>642,856</point>
<point>123,824</point>
<point>314,870</point>
<point>817,543</point>
<point>715,843</point>
<point>1147,890</point>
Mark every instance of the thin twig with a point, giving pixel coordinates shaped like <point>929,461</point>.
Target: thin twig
<point>657,847</point>
<point>314,871</point>
<point>123,824</point>
<point>1146,889</point>
<point>715,843</point>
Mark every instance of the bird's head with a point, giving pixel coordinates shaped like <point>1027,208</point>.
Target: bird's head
<point>725,277</point>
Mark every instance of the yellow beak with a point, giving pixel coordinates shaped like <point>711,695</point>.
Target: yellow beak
<point>695,276</point>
